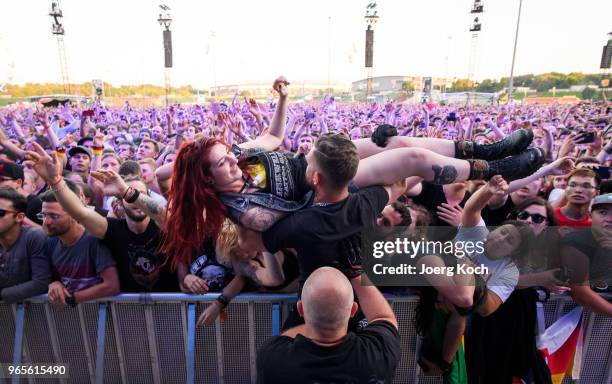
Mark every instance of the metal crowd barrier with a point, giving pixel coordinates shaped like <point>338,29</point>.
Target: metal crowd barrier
<point>133,338</point>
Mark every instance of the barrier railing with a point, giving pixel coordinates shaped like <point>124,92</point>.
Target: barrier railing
<point>152,338</point>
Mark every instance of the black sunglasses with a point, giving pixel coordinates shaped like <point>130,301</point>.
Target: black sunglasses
<point>535,217</point>
<point>3,212</point>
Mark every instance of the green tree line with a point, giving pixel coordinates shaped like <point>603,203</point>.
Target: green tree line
<point>542,82</point>
<point>86,89</point>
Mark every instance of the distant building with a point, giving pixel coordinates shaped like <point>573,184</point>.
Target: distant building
<point>390,84</point>
<point>264,89</point>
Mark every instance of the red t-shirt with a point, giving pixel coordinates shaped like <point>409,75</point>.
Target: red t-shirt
<point>564,221</point>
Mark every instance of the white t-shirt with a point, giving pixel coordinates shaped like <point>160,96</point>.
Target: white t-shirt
<point>503,273</point>
<point>556,194</point>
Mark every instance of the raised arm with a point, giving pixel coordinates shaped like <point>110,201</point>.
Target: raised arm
<point>115,186</point>
<point>49,169</point>
<point>478,201</point>
<point>561,166</point>
<point>275,135</point>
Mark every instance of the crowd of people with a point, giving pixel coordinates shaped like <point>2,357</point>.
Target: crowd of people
<point>267,196</point>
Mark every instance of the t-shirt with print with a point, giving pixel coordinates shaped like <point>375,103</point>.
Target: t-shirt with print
<point>78,266</point>
<point>207,268</point>
<point>138,261</point>
<point>503,273</point>
<point>367,356</point>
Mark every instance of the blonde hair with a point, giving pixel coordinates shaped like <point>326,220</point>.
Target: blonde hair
<point>227,242</point>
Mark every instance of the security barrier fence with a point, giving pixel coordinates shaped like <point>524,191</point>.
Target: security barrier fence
<point>152,338</point>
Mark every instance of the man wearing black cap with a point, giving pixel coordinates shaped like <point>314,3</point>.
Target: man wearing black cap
<point>587,254</point>
<point>80,161</point>
<point>11,175</point>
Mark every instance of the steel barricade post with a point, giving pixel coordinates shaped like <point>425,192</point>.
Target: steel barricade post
<point>191,335</point>
<point>18,347</point>
<point>101,343</point>
<point>276,319</point>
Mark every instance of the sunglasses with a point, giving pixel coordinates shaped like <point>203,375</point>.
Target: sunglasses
<point>3,212</point>
<point>535,217</point>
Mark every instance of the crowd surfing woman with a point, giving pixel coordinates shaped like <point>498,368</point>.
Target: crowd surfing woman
<point>256,186</point>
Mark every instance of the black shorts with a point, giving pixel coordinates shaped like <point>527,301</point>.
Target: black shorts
<point>298,166</point>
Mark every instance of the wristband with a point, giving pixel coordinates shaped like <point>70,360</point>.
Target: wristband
<point>224,300</point>
<point>133,196</point>
<point>71,301</point>
<point>97,151</point>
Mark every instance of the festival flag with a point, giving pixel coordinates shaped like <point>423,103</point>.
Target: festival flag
<point>561,346</point>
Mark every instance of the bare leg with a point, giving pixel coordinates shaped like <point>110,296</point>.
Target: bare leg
<point>367,148</point>
<point>393,165</point>
<point>455,327</point>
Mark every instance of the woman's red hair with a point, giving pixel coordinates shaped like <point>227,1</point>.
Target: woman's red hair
<point>194,210</point>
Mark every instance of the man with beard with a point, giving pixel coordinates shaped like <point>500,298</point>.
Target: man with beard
<point>305,143</point>
<point>24,267</point>
<point>133,241</point>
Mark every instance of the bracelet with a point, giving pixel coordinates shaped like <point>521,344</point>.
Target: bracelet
<point>126,192</point>
<point>52,185</point>
<point>57,189</point>
<point>224,300</point>
<point>133,196</point>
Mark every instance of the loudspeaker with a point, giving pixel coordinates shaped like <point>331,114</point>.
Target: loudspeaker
<point>606,56</point>
<point>369,48</point>
<point>168,48</point>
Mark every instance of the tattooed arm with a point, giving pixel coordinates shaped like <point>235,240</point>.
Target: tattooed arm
<point>260,219</point>
<point>152,208</point>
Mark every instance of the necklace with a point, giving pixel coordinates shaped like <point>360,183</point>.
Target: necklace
<point>322,204</point>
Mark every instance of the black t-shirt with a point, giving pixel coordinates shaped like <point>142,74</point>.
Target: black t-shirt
<point>368,356</point>
<point>432,196</point>
<point>494,217</point>
<point>34,208</point>
<point>600,259</point>
<point>138,261</point>
<point>327,235</point>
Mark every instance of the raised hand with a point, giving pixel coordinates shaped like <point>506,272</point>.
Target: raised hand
<point>253,108</point>
<point>561,166</point>
<point>43,118</point>
<point>280,86</point>
<point>113,183</point>
<point>497,185</point>
<point>47,167</point>
<point>98,140</point>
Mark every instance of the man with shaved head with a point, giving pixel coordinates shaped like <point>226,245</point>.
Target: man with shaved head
<point>322,350</point>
